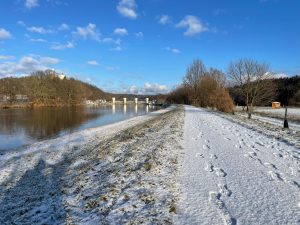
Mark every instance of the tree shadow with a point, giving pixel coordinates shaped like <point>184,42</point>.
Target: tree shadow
<point>36,198</point>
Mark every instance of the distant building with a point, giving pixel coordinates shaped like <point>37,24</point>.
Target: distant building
<point>61,76</point>
<point>276,105</point>
<point>20,97</point>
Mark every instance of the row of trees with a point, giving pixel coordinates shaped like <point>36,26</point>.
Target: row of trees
<point>203,87</point>
<point>249,82</point>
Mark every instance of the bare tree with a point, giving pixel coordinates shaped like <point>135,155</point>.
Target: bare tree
<point>192,78</point>
<point>253,79</point>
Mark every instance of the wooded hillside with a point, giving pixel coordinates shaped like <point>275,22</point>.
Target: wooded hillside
<point>47,88</point>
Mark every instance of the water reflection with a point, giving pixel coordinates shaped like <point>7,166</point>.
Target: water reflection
<point>113,109</point>
<point>125,108</point>
<point>19,127</point>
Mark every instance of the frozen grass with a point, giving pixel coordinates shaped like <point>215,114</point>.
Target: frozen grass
<point>119,174</point>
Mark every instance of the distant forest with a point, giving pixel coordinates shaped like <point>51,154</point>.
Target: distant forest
<point>47,88</point>
<point>285,90</point>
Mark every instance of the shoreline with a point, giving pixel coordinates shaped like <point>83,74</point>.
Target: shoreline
<point>128,167</point>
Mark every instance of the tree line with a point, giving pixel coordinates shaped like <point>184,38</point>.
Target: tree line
<point>247,82</point>
<point>46,88</point>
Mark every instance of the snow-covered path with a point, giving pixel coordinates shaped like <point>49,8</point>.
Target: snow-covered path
<point>234,175</point>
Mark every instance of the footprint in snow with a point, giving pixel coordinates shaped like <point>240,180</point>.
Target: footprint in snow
<point>215,199</point>
<point>278,154</point>
<point>270,165</point>
<point>199,155</point>
<point>206,147</point>
<point>238,146</point>
<point>209,167</point>
<point>223,189</point>
<point>220,172</point>
<point>212,156</point>
<point>252,154</point>
<point>275,176</point>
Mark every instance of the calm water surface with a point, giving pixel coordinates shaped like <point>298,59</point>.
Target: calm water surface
<point>20,127</point>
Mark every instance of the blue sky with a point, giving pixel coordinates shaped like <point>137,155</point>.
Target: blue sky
<point>144,46</point>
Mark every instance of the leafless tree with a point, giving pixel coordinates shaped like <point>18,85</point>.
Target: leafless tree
<point>192,78</point>
<point>253,80</point>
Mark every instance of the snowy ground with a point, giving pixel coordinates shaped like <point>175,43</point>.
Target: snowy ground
<point>125,173</point>
<point>232,174</point>
<point>174,166</point>
<point>293,113</point>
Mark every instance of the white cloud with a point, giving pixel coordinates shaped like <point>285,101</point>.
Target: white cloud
<point>173,50</point>
<point>26,65</point>
<point>88,79</point>
<point>112,68</point>
<point>192,24</point>
<point>154,88</point>
<point>40,30</point>
<point>139,34</point>
<point>117,49</point>
<point>148,88</point>
<point>88,32</point>
<point>93,63</point>
<point>41,40</point>
<point>127,8</point>
<point>59,46</point>
<point>49,60</point>
<point>121,31</point>
<point>21,23</point>
<point>6,57</point>
<point>29,4</point>
<point>164,19</point>
<point>63,27</point>
<point>4,34</point>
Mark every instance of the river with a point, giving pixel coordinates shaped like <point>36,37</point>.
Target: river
<point>21,127</point>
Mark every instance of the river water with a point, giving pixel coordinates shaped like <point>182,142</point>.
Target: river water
<point>21,127</point>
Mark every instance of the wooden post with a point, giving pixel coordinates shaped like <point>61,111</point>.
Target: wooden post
<point>285,122</point>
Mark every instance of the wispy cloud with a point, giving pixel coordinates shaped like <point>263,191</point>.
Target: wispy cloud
<point>88,32</point>
<point>63,27</point>
<point>6,57</point>
<point>26,65</point>
<point>121,31</point>
<point>21,23</point>
<point>164,19</point>
<point>148,88</point>
<point>173,50</point>
<point>127,8</point>
<point>59,46</point>
<point>117,49</point>
<point>29,4</point>
<point>4,34</point>
<point>112,68</point>
<point>192,24</point>
<point>219,11</point>
<point>139,34</point>
<point>109,40</point>
<point>93,63</point>
<point>39,30</point>
<point>41,40</point>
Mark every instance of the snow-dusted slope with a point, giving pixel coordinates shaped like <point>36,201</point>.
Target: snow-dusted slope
<point>234,175</point>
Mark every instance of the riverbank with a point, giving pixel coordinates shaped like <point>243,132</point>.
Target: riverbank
<point>121,173</point>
